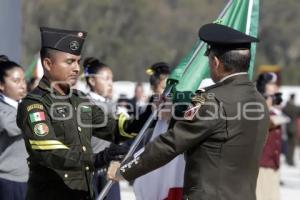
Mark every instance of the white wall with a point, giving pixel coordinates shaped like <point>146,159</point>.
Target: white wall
<point>287,90</point>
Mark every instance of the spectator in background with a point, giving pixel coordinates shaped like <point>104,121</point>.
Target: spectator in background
<point>293,112</point>
<point>124,105</point>
<point>13,154</point>
<point>268,180</point>
<point>158,76</point>
<point>99,78</point>
<point>138,101</point>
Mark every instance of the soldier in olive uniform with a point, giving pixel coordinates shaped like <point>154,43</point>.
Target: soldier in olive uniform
<point>58,123</point>
<point>222,133</point>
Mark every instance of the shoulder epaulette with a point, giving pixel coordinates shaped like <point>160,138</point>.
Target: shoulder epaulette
<point>37,93</point>
<point>209,88</point>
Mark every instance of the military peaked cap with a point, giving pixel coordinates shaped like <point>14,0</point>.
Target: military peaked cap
<point>217,35</point>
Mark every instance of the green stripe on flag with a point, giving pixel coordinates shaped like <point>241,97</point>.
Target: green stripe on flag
<point>238,14</point>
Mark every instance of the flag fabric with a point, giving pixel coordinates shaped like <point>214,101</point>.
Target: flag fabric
<point>161,184</point>
<point>166,183</point>
<point>37,116</point>
<point>238,14</point>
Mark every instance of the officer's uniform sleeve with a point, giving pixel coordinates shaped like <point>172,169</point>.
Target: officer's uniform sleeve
<point>119,127</point>
<point>185,135</point>
<point>42,142</point>
<point>104,124</point>
<point>136,124</point>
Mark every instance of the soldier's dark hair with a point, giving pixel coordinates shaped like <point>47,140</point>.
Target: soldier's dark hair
<point>157,71</point>
<point>6,65</point>
<point>233,60</point>
<point>91,67</point>
<point>47,53</point>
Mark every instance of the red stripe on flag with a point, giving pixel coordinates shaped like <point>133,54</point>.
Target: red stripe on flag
<point>42,115</point>
<point>175,194</point>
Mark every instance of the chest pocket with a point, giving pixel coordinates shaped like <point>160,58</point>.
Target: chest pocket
<point>84,119</point>
<point>63,123</point>
<point>85,116</point>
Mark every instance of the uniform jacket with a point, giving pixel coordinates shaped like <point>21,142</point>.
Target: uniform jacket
<point>222,138</point>
<point>58,131</point>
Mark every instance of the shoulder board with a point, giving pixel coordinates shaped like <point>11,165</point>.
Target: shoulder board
<point>37,93</point>
<point>203,90</point>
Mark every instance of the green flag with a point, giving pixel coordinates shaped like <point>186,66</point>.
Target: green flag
<point>242,15</point>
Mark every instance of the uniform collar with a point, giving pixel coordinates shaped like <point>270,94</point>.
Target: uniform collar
<point>233,75</point>
<point>46,85</point>
<point>9,101</point>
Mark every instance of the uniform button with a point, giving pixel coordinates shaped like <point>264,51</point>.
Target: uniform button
<point>84,148</point>
<point>66,175</point>
<point>79,129</point>
<point>87,168</point>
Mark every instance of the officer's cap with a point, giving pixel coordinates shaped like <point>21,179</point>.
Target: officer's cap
<point>217,35</point>
<point>69,41</point>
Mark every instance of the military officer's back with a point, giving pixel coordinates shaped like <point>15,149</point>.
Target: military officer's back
<point>222,133</point>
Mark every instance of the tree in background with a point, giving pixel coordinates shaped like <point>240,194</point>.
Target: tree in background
<point>130,35</point>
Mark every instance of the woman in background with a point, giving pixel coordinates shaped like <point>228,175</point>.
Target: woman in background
<point>159,73</point>
<point>13,154</point>
<point>268,181</point>
<point>99,78</point>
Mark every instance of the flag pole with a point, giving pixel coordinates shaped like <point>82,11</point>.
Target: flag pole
<point>142,132</point>
<point>201,43</point>
<point>136,142</point>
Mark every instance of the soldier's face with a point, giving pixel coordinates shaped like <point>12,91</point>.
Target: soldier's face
<point>14,85</point>
<point>63,68</point>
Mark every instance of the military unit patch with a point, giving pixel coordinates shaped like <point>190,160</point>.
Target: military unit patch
<point>190,113</point>
<point>35,106</point>
<point>37,116</point>
<point>41,129</point>
<point>198,100</point>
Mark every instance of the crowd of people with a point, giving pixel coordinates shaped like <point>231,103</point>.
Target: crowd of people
<point>57,142</point>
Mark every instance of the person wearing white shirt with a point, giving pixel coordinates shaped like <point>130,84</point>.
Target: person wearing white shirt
<point>13,154</point>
